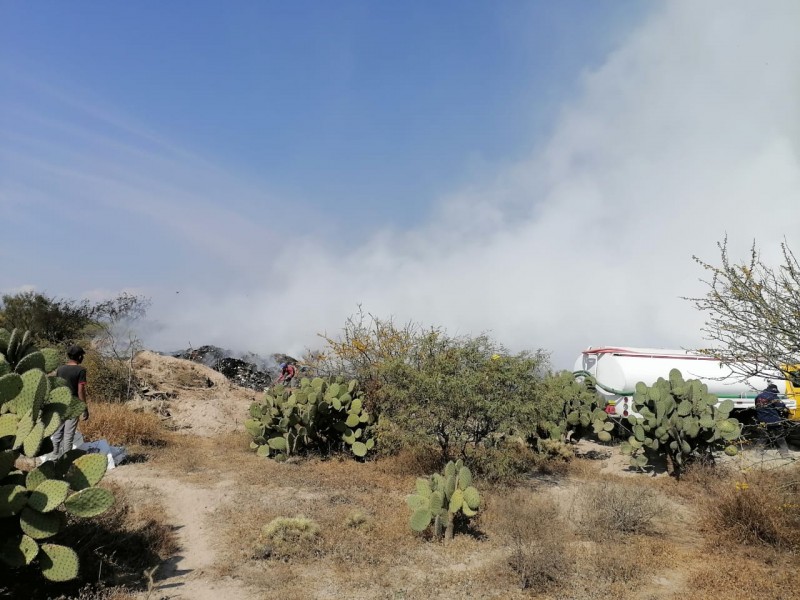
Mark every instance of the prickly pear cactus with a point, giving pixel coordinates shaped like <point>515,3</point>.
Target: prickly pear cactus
<point>680,419</point>
<point>34,503</point>
<point>581,414</point>
<point>441,498</point>
<point>322,415</point>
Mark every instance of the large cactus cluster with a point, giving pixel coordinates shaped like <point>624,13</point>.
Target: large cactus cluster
<point>322,414</point>
<point>581,411</point>
<point>680,419</point>
<point>439,499</point>
<point>34,503</point>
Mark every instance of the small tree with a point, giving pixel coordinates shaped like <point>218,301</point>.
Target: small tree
<point>753,313</point>
<point>52,320</point>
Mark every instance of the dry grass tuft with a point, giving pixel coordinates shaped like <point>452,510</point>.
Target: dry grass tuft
<point>415,460</point>
<point>289,537</point>
<point>541,555</point>
<point>760,508</point>
<point>742,578</point>
<point>120,425</point>
<point>609,509</point>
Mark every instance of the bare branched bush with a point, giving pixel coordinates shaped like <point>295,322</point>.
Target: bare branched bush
<point>752,309</point>
<point>608,509</point>
<point>541,556</point>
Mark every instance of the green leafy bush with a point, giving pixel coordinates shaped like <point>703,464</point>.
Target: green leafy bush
<point>321,415</point>
<point>34,503</point>
<point>462,393</point>
<point>424,385</point>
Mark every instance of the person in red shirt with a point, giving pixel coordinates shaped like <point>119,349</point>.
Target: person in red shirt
<point>288,371</point>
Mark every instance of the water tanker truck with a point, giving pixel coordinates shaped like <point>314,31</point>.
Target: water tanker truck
<point>616,371</point>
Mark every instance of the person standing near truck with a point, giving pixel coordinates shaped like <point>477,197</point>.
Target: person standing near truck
<point>75,376</point>
<point>770,412</point>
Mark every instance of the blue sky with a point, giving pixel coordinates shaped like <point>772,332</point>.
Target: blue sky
<point>371,108</point>
<point>278,163</point>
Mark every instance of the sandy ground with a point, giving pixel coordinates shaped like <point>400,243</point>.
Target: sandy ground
<point>190,509</point>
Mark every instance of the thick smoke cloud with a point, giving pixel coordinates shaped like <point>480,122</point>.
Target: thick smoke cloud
<point>687,133</point>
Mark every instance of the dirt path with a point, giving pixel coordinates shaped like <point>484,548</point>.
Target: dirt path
<point>190,508</point>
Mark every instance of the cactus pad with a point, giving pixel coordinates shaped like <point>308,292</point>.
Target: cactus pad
<point>52,359</point>
<point>10,387</point>
<point>90,502</point>
<point>456,500</point>
<point>48,495</point>
<point>420,519</point>
<point>464,478</point>
<point>19,551</point>
<point>60,395</point>
<point>8,425</point>
<point>40,525</point>
<point>359,449</point>
<point>34,360</point>
<point>472,498</point>
<point>87,471</point>
<point>34,392</point>
<point>13,498</point>
<point>51,420</point>
<point>423,487</point>
<point>33,441</point>
<point>59,563</point>
<point>40,474</point>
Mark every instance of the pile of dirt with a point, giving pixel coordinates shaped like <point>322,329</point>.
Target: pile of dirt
<point>195,397</point>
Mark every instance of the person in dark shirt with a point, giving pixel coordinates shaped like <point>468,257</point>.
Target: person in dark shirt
<point>770,412</point>
<point>75,376</point>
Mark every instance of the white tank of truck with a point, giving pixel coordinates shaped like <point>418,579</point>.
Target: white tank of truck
<point>617,370</point>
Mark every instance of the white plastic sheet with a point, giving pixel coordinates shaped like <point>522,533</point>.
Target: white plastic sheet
<point>115,454</point>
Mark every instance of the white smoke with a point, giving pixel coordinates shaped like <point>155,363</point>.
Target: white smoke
<point>687,132</point>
